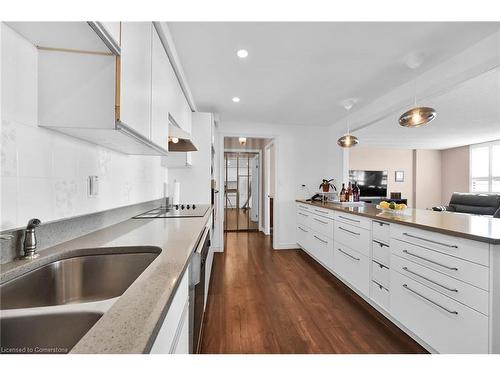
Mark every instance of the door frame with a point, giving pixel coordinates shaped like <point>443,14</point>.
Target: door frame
<point>266,227</point>
<point>220,182</point>
<point>256,151</point>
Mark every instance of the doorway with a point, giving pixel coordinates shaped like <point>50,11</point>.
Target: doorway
<point>241,191</point>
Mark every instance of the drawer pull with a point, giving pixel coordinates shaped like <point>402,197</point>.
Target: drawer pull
<point>431,241</point>
<point>300,213</point>
<point>321,221</point>
<point>429,280</point>
<point>321,212</point>
<point>380,264</point>
<point>349,255</point>
<point>381,244</point>
<point>348,218</point>
<point>431,261</point>
<point>380,285</point>
<point>303,230</point>
<point>349,231</point>
<point>381,223</point>
<point>429,300</point>
<point>319,239</point>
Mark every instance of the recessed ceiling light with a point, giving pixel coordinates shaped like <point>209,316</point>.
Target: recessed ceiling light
<point>242,53</point>
<point>236,99</point>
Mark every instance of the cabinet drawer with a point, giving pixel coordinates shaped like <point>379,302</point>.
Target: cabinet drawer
<point>303,217</point>
<point>381,252</point>
<point>462,292</point>
<point>380,295</point>
<point>355,220</point>
<point>321,225</point>
<point>303,234</point>
<point>354,237</point>
<point>303,206</point>
<point>473,251</point>
<point>380,274</point>
<point>322,212</point>
<point>457,268</point>
<point>352,266</point>
<point>321,248</point>
<point>446,325</point>
<point>381,231</point>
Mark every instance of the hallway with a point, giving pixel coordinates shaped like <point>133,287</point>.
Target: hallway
<point>265,301</point>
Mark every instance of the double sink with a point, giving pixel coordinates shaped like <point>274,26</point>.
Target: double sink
<point>49,309</point>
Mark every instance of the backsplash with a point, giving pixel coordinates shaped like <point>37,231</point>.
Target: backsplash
<point>44,174</point>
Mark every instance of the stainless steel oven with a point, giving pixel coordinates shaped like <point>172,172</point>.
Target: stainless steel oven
<point>197,290</point>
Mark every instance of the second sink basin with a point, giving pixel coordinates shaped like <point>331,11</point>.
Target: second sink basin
<point>75,280</point>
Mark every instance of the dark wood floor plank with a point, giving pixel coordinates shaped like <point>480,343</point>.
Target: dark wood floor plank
<point>266,301</point>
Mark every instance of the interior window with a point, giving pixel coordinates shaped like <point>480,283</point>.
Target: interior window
<point>485,167</point>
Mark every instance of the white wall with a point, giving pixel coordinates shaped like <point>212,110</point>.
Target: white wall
<point>455,172</point>
<point>303,156</point>
<point>43,173</point>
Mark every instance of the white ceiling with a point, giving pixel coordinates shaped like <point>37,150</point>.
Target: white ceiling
<point>298,73</point>
<point>467,114</point>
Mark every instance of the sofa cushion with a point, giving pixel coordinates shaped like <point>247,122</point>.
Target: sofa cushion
<point>473,203</point>
<point>497,214</point>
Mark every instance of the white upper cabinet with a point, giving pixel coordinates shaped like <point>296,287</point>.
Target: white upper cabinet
<point>135,77</point>
<point>159,93</point>
<point>113,29</point>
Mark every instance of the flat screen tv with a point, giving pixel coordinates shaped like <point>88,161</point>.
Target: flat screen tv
<point>371,183</point>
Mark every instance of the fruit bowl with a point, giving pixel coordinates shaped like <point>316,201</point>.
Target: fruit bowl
<point>393,208</point>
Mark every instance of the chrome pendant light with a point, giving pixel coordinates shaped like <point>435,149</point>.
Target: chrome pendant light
<point>417,116</point>
<point>348,140</point>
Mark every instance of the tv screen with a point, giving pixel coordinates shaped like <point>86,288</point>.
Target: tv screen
<point>371,183</point>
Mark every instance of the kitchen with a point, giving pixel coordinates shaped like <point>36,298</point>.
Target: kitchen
<point>128,146</point>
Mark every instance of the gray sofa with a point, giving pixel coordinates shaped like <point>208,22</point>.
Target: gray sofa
<point>473,203</point>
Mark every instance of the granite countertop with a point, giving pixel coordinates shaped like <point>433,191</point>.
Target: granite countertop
<point>132,323</point>
<point>474,227</point>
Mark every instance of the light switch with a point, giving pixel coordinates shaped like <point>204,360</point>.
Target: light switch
<point>93,186</point>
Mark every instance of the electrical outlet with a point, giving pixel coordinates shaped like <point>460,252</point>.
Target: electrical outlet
<point>93,186</point>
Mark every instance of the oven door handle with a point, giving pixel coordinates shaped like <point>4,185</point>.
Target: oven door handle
<point>196,261</point>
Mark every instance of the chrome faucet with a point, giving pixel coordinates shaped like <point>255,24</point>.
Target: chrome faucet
<point>30,240</point>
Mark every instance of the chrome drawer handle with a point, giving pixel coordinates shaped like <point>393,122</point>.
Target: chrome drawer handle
<point>380,223</point>
<point>380,285</point>
<point>304,207</point>
<point>6,236</point>
<point>300,213</point>
<point>430,261</point>
<point>321,221</point>
<point>431,241</point>
<point>429,300</point>
<point>380,264</point>
<point>321,212</point>
<point>349,231</point>
<point>381,244</point>
<point>303,230</point>
<point>429,280</point>
<point>348,218</point>
<point>319,239</point>
<point>349,255</point>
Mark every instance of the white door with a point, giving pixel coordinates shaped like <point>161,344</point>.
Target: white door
<point>254,184</point>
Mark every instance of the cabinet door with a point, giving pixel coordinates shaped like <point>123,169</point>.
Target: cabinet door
<point>135,76</point>
<point>159,93</point>
<point>182,344</point>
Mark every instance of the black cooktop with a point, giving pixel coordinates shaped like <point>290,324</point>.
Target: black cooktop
<point>178,210</point>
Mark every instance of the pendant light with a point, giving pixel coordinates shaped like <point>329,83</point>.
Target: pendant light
<point>348,140</point>
<point>416,116</point>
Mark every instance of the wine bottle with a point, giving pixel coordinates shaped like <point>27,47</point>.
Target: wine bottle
<point>355,192</point>
<point>342,193</point>
<point>349,193</point>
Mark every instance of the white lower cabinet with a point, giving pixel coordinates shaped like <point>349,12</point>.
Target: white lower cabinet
<point>353,267</point>
<point>321,248</point>
<point>443,323</point>
<point>172,334</point>
<point>380,295</point>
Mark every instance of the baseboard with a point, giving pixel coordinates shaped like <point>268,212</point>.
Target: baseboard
<point>286,246</point>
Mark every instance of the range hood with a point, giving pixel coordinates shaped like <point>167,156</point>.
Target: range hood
<point>178,140</point>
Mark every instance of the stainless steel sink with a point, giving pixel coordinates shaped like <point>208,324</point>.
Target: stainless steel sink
<point>43,334</point>
<point>75,280</point>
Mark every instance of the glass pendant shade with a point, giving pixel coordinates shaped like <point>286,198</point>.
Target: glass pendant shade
<point>347,140</point>
<point>417,116</point>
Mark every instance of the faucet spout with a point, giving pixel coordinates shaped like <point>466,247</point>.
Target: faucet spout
<point>30,239</point>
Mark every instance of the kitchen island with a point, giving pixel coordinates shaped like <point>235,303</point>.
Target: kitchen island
<point>434,274</point>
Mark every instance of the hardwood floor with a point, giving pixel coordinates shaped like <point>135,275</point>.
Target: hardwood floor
<point>237,219</point>
<point>266,301</point>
